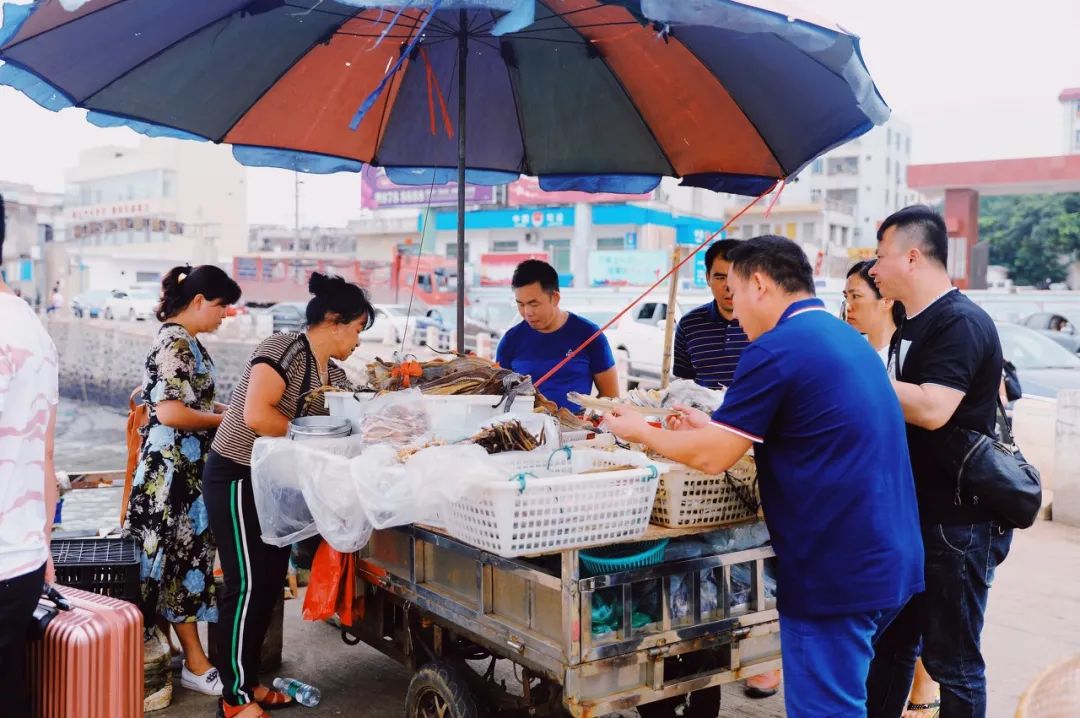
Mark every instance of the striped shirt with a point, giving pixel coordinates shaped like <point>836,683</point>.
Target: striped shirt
<point>708,347</point>
<point>290,355</point>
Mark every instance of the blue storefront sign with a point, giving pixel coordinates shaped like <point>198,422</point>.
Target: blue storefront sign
<point>701,278</point>
<point>630,241</point>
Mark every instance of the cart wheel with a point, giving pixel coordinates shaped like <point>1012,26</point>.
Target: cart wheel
<point>438,691</point>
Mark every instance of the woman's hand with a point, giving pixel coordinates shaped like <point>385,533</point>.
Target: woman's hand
<point>626,424</point>
<point>688,419</point>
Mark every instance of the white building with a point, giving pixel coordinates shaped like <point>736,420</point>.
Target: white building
<point>134,212</point>
<point>866,178</point>
<point>32,219</point>
<point>1070,103</point>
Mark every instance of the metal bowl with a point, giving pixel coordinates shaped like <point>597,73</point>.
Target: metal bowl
<point>319,427</point>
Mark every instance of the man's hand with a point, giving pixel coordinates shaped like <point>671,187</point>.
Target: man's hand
<point>688,418</point>
<point>626,424</point>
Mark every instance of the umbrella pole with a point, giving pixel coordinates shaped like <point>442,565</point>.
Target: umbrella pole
<point>463,57</point>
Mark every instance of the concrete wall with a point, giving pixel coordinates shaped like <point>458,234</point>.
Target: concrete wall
<point>102,361</point>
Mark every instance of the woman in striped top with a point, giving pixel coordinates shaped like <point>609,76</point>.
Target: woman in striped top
<point>282,371</point>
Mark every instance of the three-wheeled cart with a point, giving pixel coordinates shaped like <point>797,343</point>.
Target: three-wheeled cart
<point>673,633</point>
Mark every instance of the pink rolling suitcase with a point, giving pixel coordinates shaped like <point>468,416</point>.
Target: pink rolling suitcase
<point>90,662</point>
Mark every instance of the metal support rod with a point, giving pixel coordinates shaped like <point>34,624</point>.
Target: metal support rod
<point>463,58</point>
<point>669,321</point>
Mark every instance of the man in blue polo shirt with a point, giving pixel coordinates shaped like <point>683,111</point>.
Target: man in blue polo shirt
<point>833,469</point>
<point>548,334</point>
<point>709,340</point>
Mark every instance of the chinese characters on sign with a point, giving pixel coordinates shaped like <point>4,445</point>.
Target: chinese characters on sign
<point>537,219</point>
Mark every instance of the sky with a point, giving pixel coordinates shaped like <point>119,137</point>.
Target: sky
<point>976,80</point>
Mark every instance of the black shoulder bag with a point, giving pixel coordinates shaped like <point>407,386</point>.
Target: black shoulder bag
<point>994,474</point>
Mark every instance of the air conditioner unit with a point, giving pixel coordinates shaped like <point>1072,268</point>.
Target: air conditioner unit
<point>531,238</point>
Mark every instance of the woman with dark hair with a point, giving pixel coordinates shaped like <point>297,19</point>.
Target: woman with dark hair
<point>166,514</point>
<point>281,373</point>
<point>868,311</point>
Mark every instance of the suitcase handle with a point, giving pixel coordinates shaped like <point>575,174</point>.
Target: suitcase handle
<point>56,597</point>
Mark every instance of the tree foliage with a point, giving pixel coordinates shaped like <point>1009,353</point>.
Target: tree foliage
<point>1035,236</point>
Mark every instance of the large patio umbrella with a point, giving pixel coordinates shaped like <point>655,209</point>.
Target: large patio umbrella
<point>601,95</point>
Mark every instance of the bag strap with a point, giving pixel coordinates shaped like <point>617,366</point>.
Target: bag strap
<point>1003,422</point>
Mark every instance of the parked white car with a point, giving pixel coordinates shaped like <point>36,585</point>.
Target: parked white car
<point>131,304</point>
<point>392,322</point>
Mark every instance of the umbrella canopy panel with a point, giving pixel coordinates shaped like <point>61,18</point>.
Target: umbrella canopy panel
<point>589,87</point>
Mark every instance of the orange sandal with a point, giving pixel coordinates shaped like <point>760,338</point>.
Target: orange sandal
<point>275,700</point>
<point>224,710</point>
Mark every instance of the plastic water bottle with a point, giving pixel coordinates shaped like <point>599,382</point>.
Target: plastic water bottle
<point>299,691</point>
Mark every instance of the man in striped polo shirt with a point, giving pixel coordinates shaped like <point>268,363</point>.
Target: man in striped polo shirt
<point>709,340</point>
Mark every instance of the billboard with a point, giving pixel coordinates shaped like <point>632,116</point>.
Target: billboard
<point>496,268</point>
<point>526,191</point>
<point>627,269</point>
<point>376,190</point>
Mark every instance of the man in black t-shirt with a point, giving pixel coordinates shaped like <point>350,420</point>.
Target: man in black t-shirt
<point>946,366</point>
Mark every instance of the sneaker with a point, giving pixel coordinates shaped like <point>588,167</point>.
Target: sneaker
<point>208,683</point>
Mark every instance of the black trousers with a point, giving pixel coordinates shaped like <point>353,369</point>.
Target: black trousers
<point>254,574</point>
<point>18,599</point>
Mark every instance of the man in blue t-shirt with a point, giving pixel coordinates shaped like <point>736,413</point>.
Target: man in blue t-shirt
<point>833,468</point>
<point>548,334</point>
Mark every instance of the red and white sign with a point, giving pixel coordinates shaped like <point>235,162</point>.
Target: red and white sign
<point>497,268</point>
<point>526,191</point>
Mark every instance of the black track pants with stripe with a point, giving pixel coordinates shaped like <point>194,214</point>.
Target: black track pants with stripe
<point>254,575</point>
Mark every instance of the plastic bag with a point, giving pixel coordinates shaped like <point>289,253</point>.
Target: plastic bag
<point>397,418</point>
<point>540,426</point>
<point>332,588</point>
<point>684,391</point>
<point>277,468</point>
<point>394,494</point>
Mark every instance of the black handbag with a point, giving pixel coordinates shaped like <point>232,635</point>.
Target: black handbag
<point>994,475</point>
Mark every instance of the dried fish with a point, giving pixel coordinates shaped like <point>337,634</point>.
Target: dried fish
<point>396,425</point>
<point>461,375</point>
<point>506,436</point>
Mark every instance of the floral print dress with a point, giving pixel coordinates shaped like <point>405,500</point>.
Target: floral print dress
<point>166,514</point>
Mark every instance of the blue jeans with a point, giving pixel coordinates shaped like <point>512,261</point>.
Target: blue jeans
<point>946,621</point>
<point>826,660</point>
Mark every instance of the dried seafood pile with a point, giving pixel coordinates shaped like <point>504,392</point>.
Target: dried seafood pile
<point>397,425</point>
<point>461,375</point>
<point>565,417</point>
<point>507,436</point>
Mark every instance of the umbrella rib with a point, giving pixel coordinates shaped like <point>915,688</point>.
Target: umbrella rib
<point>398,78</point>
<point>524,164</point>
<point>575,27</point>
<point>735,101</point>
<point>626,93</point>
<point>288,68</point>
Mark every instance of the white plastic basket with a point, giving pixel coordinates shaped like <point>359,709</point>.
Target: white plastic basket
<point>688,498</point>
<point>551,502</point>
<point>349,405</point>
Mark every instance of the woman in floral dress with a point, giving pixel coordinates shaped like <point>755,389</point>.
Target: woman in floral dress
<point>166,514</point>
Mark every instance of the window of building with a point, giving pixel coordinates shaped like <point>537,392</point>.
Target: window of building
<point>818,167</point>
<point>907,145</point>
<point>748,231</point>
<point>168,183</point>
<point>451,250</point>
<point>558,251</point>
<point>957,262</point>
<point>789,230</point>
<point>141,277</point>
<point>815,195</point>
<point>809,232</point>
<point>611,243</point>
<point>886,198</point>
<point>1078,138</point>
<point>888,136</point>
<point>888,166</point>
<point>504,245</point>
<point>764,229</point>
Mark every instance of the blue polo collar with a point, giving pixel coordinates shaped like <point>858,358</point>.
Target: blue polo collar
<point>813,304</point>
